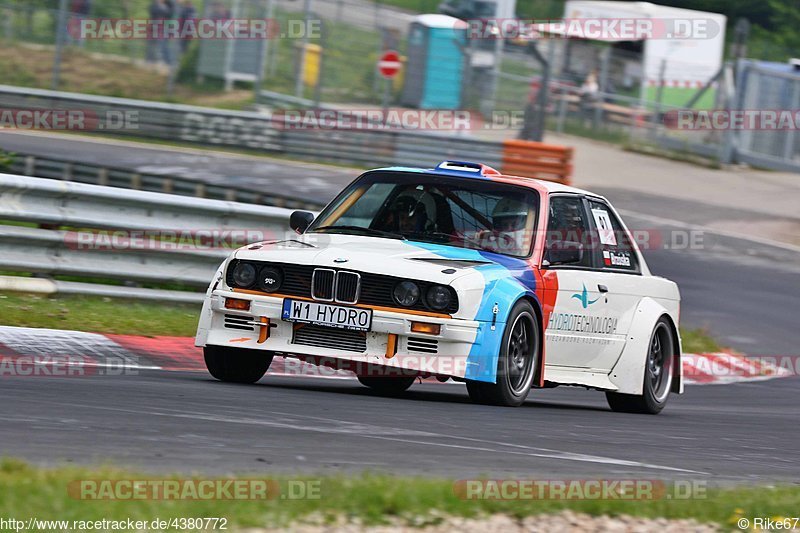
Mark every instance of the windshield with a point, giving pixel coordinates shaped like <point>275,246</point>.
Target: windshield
<point>462,212</point>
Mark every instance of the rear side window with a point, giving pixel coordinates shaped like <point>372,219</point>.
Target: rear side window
<point>567,223</point>
<point>617,251</point>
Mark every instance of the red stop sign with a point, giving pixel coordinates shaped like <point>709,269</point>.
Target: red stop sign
<point>389,64</point>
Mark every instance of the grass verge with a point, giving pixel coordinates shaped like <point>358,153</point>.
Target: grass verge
<point>98,314</point>
<point>699,341</point>
<point>367,498</point>
<point>106,315</point>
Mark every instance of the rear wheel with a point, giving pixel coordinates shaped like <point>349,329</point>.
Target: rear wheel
<point>516,365</point>
<point>657,376</point>
<point>387,384</point>
<point>236,365</point>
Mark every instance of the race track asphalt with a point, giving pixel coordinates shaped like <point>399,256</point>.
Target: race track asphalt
<point>188,422</point>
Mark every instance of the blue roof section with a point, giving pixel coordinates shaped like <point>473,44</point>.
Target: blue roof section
<point>442,170</point>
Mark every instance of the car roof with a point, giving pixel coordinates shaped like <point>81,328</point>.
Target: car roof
<point>487,172</point>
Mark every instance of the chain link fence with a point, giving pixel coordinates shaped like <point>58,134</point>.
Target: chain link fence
<point>324,53</point>
<point>772,87</point>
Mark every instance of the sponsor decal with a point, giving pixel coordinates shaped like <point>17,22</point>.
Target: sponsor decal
<point>578,323</point>
<point>604,228</point>
<point>583,297</point>
<point>619,259</point>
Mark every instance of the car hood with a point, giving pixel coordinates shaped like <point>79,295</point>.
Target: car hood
<point>391,257</point>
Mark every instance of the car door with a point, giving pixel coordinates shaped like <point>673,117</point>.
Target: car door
<point>620,272</point>
<point>580,330</point>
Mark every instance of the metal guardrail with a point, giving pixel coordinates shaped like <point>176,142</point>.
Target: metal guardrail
<point>154,120</point>
<point>44,167</point>
<point>260,131</point>
<point>216,127</point>
<point>123,250</point>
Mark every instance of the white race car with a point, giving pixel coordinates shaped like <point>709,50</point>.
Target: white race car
<point>456,272</point>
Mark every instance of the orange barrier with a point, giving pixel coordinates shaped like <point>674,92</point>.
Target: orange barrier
<point>537,160</point>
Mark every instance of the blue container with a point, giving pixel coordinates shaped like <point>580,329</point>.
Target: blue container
<point>435,64</point>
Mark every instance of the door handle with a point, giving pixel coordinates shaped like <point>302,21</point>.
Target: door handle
<point>602,288</point>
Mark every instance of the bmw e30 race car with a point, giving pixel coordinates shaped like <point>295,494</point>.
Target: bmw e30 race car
<point>456,272</point>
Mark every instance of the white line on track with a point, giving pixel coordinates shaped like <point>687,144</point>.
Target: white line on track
<point>370,431</point>
<point>732,234</point>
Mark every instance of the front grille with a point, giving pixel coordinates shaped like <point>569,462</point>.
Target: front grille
<point>347,287</point>
<point>238,322</point>
<point>422,345</point>
<point>322,284</point>
<point>375,289</point>
<point>336,339</point>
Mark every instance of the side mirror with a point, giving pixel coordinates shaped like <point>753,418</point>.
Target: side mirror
<point>564,252</point>
<point>299,221</point>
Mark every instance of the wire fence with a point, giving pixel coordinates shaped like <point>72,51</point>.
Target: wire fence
<point>325,52</point>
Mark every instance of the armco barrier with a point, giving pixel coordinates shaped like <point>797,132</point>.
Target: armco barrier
<point>537,160</point>
<point>154,120</point>
<point>49,203</point>
<point>260,131</point>
<point>44,167</point>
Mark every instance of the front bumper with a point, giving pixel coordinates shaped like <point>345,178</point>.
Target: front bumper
<point>390,343</point>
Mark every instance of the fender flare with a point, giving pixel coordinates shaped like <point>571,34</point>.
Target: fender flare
<point>538,376</point>
<point>204,323</point>
<point>628,372</point>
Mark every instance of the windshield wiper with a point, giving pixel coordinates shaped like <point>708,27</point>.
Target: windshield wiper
<point>362,229</point>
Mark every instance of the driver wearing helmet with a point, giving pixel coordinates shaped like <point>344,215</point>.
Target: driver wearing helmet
<point>408,215</point>
<point>507,235</point>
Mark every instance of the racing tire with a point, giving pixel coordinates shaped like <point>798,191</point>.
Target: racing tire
<point>517,363</point>
<point>658,374</point>
<point>236,365</point>
<point>386,384</point>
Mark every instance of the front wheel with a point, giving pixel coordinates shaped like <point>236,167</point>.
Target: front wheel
<point>236,365</point>
<point>516,365</point>
<point>657,376</point>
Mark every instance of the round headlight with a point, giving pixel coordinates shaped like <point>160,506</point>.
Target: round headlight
<point>270,279</point>
<point>438,297</point>
<point>406,293</point>
<point>244,274</point>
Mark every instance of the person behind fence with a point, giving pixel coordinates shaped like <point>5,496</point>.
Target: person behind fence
<point>219,11</point>
<point>79,10</point>
<point>186,11</point>
<point>590,94</point>
<point>160,10</point>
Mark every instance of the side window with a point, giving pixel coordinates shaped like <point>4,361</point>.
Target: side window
<point>567,224</point>
<point>618,252</point>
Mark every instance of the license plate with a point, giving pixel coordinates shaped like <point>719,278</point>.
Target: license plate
<point>332,316</point>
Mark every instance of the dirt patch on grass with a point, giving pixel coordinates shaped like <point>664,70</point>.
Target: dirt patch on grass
<point>566,521</point>
<point>29,65</point>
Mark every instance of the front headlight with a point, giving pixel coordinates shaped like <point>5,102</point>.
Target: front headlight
<point>406,293</point>
<point>244,275</point>
<point>438,297</point>
<point>270,279</point>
